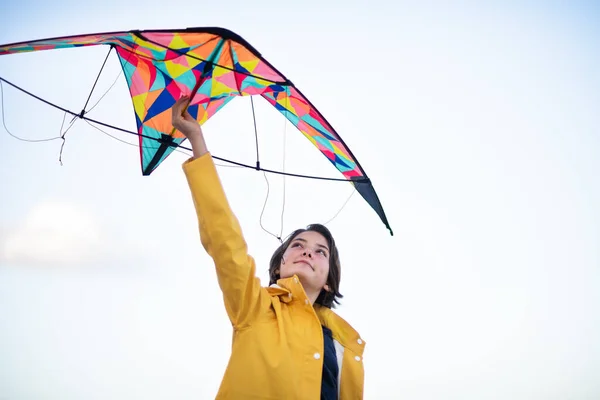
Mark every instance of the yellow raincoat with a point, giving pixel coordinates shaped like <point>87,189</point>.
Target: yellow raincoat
<point>277,349</point>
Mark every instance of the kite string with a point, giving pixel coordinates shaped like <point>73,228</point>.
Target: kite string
<point>285,123</point>
<point>61,136</point>
<point>9,132</point>
<point>260,219</point>
<point>105,93</point>
<point>263,211</point>
<point>281,227</point>
<point>341,208</point>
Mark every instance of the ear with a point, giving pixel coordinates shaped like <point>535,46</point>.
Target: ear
<point>326,287</point>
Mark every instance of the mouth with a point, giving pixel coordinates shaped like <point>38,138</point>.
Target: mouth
<point>305,262</point>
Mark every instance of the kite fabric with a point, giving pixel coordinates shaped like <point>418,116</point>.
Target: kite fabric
<point>212,66</point>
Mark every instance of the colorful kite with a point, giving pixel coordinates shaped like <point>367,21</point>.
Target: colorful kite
<point>212,66</point>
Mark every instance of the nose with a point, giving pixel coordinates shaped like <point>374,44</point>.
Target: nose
<point>308,253</point>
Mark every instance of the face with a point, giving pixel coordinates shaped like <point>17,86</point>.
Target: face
<point>307,257</point>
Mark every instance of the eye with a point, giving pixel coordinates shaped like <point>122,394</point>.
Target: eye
<point>323,252</point>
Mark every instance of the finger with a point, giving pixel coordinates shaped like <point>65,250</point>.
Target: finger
<point>188,117</point>
<point>175,110</point>
<point>183,106</point>
<point>178,106</point>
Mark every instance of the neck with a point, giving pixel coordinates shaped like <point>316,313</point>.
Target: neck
<point>312,296</point>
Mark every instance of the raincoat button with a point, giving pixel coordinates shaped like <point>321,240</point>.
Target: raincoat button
<point>359,341</point>
<point>317,356</point>
<point>306,301</point>
<point>357,358</point>
<point>295,280</point>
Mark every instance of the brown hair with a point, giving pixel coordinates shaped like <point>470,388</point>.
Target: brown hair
<point>326,298</point>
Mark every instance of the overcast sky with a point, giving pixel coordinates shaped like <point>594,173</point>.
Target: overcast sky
<point>478,126</point>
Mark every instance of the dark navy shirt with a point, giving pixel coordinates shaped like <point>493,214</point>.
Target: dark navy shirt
<point>329,385</point>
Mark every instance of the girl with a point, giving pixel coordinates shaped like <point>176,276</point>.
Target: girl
<point>287,342</point>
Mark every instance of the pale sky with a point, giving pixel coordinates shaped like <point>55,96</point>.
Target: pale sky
<point>478,125</point>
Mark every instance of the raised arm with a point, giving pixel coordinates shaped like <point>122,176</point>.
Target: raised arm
<point>220,232</point>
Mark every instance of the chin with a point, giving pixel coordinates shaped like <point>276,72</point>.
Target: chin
<point>302,271</point>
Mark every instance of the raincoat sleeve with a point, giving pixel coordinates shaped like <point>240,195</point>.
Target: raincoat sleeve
<point>221,236</point>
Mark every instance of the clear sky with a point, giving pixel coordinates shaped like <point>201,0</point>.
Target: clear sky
<point>478,125</point>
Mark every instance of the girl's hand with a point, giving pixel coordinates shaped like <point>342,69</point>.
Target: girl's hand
<point>189,127</point>
<point>184,122</point>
